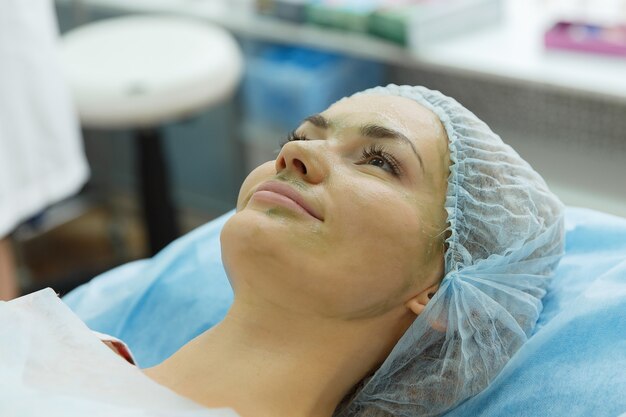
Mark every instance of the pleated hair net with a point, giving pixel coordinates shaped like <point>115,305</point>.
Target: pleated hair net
<point>505,237</point>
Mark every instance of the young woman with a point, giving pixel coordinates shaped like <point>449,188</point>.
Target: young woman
<point>389,262</point>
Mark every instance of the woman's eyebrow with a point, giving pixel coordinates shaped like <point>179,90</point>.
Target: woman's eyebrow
<point>371,131</point>
<point>318,120</point>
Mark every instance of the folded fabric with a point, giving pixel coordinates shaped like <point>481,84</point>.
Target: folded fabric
<point>571,366</point>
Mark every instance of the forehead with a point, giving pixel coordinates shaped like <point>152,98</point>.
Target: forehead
<point>399,113</point>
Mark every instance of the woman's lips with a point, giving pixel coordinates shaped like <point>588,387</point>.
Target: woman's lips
<point>280,193</point>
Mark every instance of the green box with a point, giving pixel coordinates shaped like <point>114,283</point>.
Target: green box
<point>347,17</point>
<point>391,24</point>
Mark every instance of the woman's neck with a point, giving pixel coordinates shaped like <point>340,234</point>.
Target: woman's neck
<point>276,364</point>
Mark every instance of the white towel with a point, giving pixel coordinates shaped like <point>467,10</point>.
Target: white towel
<point>52,365</point>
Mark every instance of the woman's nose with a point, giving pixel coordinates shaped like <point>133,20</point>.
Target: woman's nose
<point>303,161</point>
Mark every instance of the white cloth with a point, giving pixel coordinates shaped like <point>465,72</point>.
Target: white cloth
<point>52,365</point>
<point>41,154</point>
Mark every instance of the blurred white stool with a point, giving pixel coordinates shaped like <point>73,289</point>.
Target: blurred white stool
<point>140,72</point>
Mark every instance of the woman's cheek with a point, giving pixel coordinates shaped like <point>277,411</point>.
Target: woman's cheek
<point>258,175</point>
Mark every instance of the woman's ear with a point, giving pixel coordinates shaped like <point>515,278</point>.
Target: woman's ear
<point>417,304</point>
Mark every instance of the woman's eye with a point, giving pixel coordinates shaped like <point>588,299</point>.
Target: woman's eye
<point>380,162</point>
<point>377,156</point>
<point>291,137</point>
<point>374,155</point>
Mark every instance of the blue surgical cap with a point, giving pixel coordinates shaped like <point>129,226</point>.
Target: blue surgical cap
<point>505,236</point>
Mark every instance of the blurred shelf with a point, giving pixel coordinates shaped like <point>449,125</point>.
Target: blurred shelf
<point>512,51</point>
<point>262,27</point>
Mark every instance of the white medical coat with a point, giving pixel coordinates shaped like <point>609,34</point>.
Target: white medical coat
<point>41,153</point>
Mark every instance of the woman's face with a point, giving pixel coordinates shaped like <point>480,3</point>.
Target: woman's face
<point>373,169</point>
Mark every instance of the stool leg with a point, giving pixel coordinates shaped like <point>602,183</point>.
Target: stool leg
<point>158,209</point>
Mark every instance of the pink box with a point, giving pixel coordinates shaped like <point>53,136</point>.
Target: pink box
<point>587,37</point>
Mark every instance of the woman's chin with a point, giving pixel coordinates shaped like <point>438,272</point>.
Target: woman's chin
<point>268,231</point>
<point>255,224</point>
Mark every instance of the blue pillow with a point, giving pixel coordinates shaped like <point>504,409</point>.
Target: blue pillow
<point>157,305</point>
<point>574,364</point>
